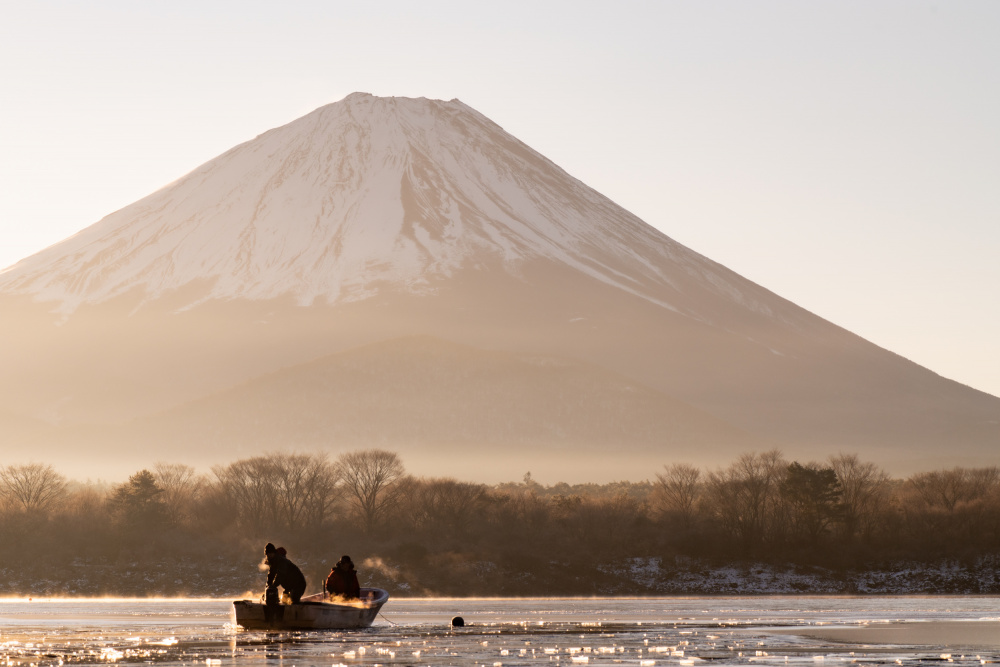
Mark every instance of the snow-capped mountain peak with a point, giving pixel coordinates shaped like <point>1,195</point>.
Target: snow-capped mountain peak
<point>358,196</point>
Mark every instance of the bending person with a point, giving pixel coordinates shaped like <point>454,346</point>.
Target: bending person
<point>282,572</point>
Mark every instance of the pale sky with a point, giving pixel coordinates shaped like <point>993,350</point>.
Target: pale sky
<point>845,155</point>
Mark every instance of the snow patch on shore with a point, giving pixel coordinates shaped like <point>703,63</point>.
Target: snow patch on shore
<point>685,576</point>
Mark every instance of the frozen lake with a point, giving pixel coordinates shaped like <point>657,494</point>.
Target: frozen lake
<point>501,632</point>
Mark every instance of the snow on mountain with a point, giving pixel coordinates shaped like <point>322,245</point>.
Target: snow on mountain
<point>361,195</point>
<point>392,218</point>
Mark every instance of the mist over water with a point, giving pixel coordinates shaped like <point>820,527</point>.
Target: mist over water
<point>647,632</point>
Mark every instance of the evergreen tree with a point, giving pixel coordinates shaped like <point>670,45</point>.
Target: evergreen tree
<point>137,505</point>
<point>812,496</point>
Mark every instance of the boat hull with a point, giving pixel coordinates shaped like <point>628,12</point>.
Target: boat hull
<point>313,613</point>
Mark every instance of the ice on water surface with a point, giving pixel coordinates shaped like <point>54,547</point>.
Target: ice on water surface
<point>501,633</point>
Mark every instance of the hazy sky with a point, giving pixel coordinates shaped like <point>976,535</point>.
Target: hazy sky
<point>846,155</point>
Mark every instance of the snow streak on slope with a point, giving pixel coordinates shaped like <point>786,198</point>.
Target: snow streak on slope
<point>365,194</point>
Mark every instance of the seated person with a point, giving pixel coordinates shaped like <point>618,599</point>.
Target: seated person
<point>343,580</point>
<point>282,572</point>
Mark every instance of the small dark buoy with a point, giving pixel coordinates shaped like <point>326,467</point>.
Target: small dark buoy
<point>458,622</point>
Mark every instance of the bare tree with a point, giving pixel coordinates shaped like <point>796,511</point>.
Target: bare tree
<point>307,488</point>
<point>676,492</point>
<point>518,515</point>
<point>950,505</point>
<point>182,487</point>
<point>611,521</point>
<point>279,491</point>
<point>370,478</point>
<point>745,496</point>
<point>248,489</point>
<point>32,488</point>
<point>949,489</point>
<point>86,500</point>
<point>446,505</point>
<point>864,493</point>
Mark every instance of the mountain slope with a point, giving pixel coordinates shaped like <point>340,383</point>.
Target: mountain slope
<point>430,400</point>
<point>379,218</point>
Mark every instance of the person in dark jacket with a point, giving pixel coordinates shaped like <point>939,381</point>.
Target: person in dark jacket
<point>282,572</point>
<point>343,580</point>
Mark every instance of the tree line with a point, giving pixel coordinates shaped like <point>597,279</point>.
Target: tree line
<point>448,536</point>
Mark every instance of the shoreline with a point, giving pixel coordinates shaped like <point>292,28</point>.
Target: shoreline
<point>640,577</point>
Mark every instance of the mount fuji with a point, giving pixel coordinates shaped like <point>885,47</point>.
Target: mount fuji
<point>403,273</point>
<point>354,198</point>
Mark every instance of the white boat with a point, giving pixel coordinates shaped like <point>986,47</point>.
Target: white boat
<point>314,612</point>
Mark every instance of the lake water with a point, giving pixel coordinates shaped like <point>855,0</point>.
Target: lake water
<point>500,632</point>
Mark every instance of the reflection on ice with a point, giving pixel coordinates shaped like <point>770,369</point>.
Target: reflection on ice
<point>508,633</point>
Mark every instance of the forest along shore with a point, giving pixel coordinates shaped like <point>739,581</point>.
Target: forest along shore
<point>760,525</point>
